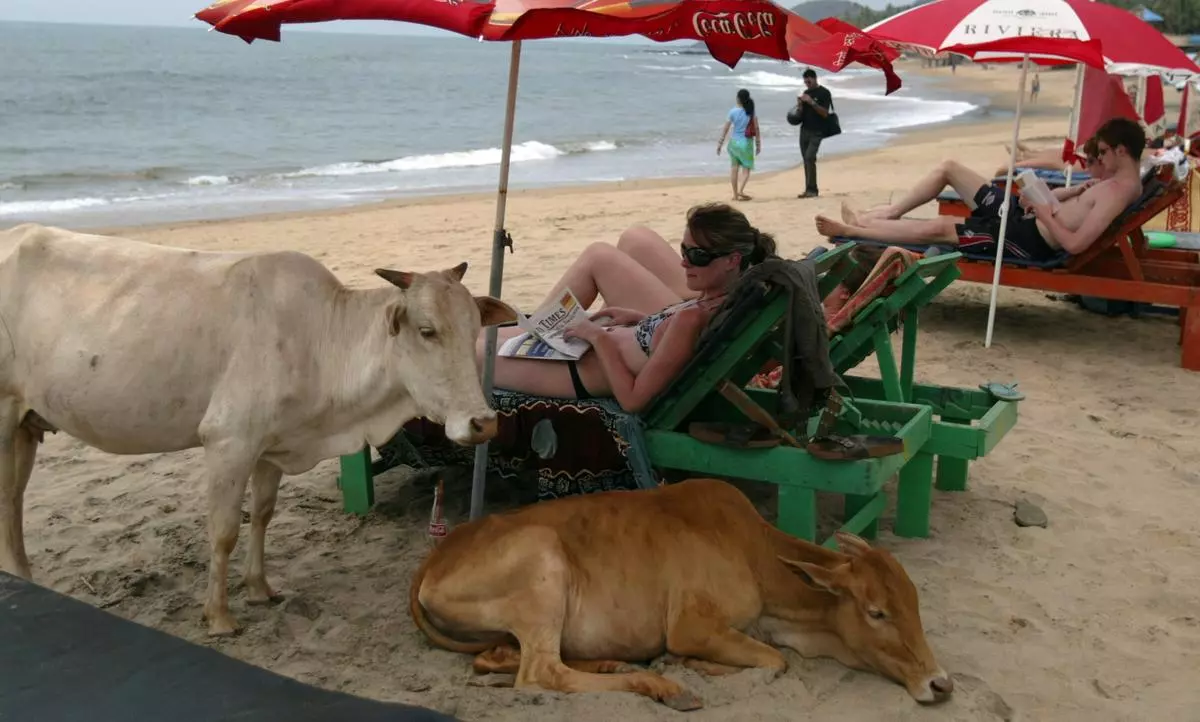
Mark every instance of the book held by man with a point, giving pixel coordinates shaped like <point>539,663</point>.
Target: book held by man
<point>1035,189</point>
<point>543,337</point>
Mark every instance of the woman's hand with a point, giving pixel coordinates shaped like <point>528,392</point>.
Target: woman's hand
<point>584,329</point>
<point>617,316</point>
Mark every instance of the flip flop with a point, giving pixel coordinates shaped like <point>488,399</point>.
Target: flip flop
<point>1004,392</point>
<point>853,448</point>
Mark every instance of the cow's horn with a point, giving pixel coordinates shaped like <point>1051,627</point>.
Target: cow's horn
<point>400,279</point>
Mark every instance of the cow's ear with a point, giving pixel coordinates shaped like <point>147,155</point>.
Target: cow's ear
<point>494,312</point>
<point>395,318</point>
<point>817,576</point>
<point>458,271</point>
<point>400,279</point>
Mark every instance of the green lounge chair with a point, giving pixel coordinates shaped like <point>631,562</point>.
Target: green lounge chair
<point>709,390</point>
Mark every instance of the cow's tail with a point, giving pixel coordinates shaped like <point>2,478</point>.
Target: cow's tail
<point>421,619</point>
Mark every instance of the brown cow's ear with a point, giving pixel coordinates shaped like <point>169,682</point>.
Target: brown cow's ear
<point>494,312</point>
<point>817,576</point>
<point>851,544</point>
<point>458,271</point>
<point>400,279</point>
<point>395,318</point>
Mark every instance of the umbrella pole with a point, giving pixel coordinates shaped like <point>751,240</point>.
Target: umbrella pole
<point>1012,162</point>
<point>1073,130</point>
<point>500,241</point>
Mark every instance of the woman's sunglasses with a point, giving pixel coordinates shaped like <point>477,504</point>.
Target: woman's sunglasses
<point>700,257</point>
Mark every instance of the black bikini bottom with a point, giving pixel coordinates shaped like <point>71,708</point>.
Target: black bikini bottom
<point>581,391</point>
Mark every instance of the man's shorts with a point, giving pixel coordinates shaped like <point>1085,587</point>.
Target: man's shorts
<point>979,231</point>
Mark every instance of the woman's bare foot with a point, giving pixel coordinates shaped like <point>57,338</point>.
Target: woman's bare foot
<point>743,197</point>
<point>829,228</point>
<point>849,217</point>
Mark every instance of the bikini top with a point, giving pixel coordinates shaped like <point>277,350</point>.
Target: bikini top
<point>643,332</point>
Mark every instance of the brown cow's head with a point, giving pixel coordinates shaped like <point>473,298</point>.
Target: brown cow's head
<point>434,327</point>
<point>877,616</point>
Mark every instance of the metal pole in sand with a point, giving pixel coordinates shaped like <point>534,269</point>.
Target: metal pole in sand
<point>1012,162</point>
<point>500,241</point>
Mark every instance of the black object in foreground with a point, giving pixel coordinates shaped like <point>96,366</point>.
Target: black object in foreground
<point>65,661</point>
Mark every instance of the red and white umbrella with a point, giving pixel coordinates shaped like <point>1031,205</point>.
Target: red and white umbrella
<point>1050,32</point>
<point>1047,32</point>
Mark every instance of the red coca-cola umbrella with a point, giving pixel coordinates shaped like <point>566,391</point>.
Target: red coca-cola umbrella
<point>729,28</point>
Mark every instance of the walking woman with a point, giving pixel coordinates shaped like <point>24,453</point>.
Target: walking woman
<point>744,143</point>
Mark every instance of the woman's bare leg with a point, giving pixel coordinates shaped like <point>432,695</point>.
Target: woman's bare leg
<point>657,256</point>
<point>733,179</point>
<point>603,270</point>
<point>904,230</point>
<point>551,379</point>
<point>741,191</point>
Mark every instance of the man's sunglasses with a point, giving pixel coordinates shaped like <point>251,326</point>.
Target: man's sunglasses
<point>700,257</point>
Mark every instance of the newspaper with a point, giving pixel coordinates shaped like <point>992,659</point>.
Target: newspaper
<point>543,337</point>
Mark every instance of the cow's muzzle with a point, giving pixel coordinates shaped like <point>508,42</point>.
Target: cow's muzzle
<point>476,430</point>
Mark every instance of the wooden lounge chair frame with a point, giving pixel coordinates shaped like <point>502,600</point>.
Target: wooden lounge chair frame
<point>1119,265</point>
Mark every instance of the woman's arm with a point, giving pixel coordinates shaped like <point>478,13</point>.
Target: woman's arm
<point>724,132</point>
<point>670,356</point>
<point>619,316</point>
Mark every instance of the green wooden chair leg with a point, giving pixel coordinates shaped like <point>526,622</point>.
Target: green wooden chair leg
<point>914,497</point>
<point>888,373</point>
<point>357,482</point>
<point>908,354</point>
<point>855,504</point>
<point>952,472</point>
<point>797,513</point>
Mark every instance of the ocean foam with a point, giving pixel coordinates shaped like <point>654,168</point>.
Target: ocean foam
<point>209,180</point>
<point>771,82</point>
<point>49,206</point>
<point>528,151</point>
<point>677,68</point>
<point>894,111</point>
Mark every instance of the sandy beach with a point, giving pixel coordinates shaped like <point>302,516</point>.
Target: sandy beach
<point>1092,618</point>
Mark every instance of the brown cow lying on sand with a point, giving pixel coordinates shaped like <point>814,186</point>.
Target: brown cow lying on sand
<point>586,584</point>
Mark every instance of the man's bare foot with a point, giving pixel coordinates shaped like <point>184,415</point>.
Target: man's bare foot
<point>830,228</point>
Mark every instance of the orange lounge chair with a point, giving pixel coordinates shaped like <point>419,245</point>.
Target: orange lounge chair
<point>1119,265</point>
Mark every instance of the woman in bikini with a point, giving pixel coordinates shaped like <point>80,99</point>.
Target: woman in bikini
<point>647,331</point>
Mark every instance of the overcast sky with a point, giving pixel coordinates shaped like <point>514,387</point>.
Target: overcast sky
<point>171,12</point>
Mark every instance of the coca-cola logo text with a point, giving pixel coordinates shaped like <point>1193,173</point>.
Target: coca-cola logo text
<point>745,25</point>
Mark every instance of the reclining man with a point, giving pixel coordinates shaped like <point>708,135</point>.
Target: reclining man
<point>1034,232</point>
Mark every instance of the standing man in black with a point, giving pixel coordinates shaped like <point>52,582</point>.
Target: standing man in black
<point>814,103</point>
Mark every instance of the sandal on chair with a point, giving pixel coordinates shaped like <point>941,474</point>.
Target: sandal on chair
<point>852,448</point>
<point>1004,392</point>
<point>736,436</point>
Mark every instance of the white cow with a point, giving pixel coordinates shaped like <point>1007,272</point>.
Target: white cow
<point>264,359</point>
